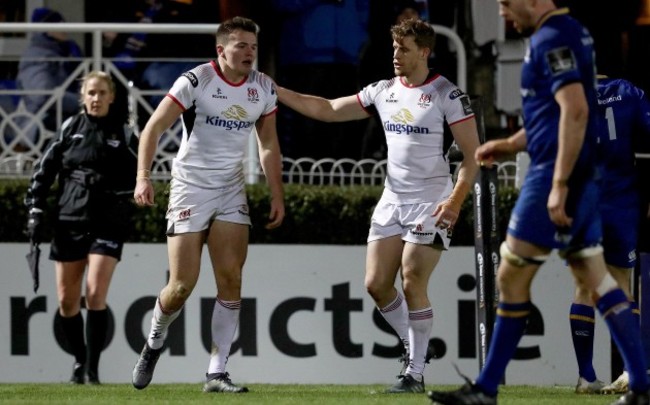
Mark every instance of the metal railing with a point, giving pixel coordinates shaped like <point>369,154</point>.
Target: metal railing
<point>368,172</point>
<point>18,152</point>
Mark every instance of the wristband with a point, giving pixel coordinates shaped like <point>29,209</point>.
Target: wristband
<point>560,182</point>
<point>143,174</point>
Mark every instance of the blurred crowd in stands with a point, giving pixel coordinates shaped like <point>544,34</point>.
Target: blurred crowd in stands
<point>326,47</point>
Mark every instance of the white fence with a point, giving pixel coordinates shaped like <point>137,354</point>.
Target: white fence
<point>362,172</point>
<point>18,152</point>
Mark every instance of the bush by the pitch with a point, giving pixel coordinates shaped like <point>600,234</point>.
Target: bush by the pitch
<point>315,214</point>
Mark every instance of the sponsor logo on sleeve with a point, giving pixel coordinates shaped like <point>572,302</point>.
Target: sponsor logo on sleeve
<point>561,60</point>
<point>467,105</point>
<point>192,78</point>
<point>455,94</point>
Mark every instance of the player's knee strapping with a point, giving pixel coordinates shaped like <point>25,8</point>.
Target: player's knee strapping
<point>606,285</point>
<point>520,261</point>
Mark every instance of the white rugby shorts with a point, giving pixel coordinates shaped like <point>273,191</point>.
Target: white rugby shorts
<point>192,209</point>
<point>414,222</point>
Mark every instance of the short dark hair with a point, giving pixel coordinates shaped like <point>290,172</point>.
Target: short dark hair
<point>422,32</point>
<point>236,23</point>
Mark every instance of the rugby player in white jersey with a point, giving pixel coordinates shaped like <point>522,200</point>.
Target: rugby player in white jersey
<point>220,102</point>
<point>419,207</point>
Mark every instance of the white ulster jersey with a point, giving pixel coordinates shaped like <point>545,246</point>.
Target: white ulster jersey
<point>218,118</point>
<point>413,119</point>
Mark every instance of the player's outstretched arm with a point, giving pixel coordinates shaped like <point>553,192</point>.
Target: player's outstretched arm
<point>319,108</point>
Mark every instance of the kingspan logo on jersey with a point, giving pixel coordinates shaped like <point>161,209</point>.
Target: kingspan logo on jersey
<point>234,117</point>
<point>401,123</point>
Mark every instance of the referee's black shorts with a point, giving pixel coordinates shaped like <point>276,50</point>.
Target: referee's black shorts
<point>73,242</point>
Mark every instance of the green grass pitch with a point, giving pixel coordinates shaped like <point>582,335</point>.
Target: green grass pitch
<point>186,394</point>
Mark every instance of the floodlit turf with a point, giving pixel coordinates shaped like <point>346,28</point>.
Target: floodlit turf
<point>266,394</point>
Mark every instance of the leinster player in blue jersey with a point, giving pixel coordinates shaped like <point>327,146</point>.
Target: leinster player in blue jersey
<point>624,111</point>
<point>557,207</point>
